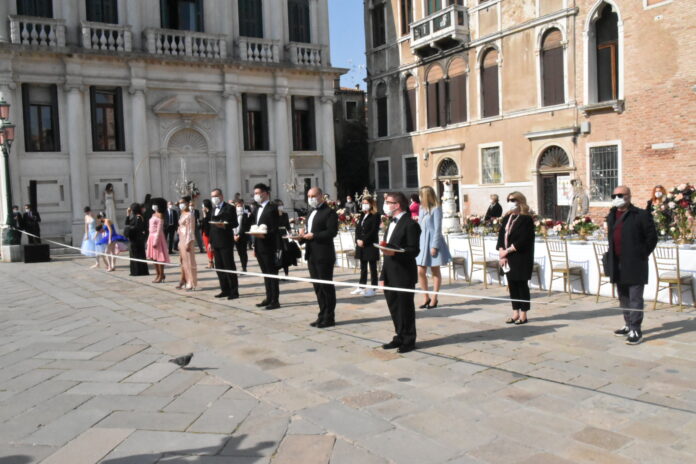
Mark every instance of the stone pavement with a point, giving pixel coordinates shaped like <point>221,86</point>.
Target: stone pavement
<point>84,377</point>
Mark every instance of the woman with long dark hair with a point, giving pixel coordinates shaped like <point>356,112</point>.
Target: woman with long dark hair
<point>516,250</point>
<point>156,241</point>
<point>366,235</point>
<point>136,232</point>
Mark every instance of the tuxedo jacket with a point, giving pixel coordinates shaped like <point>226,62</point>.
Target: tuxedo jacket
<point>270,243</point>
<point>244,225</point>
<point>324,227</point>
<point>174,220</point>
<point>223,237</point>
<point>400,270</point>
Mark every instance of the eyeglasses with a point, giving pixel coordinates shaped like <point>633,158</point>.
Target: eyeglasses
<point>617,195</point>
<point>392,202</point>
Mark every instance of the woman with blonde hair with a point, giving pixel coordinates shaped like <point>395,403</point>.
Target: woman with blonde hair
<point>366,235</point>
<point>433,248</point>
<point>516,250</point>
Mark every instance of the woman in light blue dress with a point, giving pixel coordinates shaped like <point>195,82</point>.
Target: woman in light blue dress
<point>88,246</point>
<point>433,248</point>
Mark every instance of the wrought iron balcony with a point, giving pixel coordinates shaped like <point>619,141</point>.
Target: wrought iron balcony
<point>39,32</point>
<point>443,29</point>
<point>259,50</point>
<point>185,43</point>
<point>106,37</point>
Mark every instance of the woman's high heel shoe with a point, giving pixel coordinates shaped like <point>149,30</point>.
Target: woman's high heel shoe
<point>156,281</point>
<point>426,305</point>
<point>433,306</point>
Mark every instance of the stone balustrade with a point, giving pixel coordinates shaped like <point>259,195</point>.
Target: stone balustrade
<point>185,43</point>
<point>259,50</point>
<point>106,37</point>
<point>39,32</point>
<point>446,27</point>
<point>304,54</point>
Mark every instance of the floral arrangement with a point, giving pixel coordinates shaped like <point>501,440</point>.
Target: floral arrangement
<point>584,226</point>
<point>560,228</point>
<point>492,226</point>
<point>543,225</point>
<point>472,222</point>
<point>681,205</point>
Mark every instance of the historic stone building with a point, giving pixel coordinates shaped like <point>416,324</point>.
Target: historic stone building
<point>350,129</point>
<point>130,92</point>
<point>526,95</point>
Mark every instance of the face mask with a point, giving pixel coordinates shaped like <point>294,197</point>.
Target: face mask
<point>312,202</point>
<point>618,202</point>
<point>388,210</point>
<point>658,194</point>
<point>281,208</point>
<point>511,205</point>
<point>258,198</point>
<point>240,210</point>
<point>182,206</point>
<point>170,206</point>
<point>365,207</point>
<point>155,208</point>
<point>216,201</point>
<point>492,202</point>
<point>15,211</point>
<point>27,209</point>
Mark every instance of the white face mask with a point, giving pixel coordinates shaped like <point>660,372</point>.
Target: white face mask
<point>155,208</point>
<point>280,208</point>
<point>170,206</point>
<point>312,202</point>
<point>388,210</point>
<point>182,206</point>
<point>216,201</point>
<point>511,205</point>
<point>492,201</point>
<point>258,198</point>
<point>658,194</point>
<point>366,207</point>
<point>618,202</point>
<point>240,210</point>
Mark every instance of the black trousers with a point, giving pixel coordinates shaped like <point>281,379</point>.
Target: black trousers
<point>519,290</point>
<point>631,297</point>
<point>137,251</point>
<point>171,236</point>
<point>373,272</point>
<point>267,265</point>
<point>326,293</point>
<point>224,259</point>
<point>403,314</point>
<point>35,231</point>
<point>199,239</point>
<point>241,247</point>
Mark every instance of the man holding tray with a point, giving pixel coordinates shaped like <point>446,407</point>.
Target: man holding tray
<point>399,270</point>
<point>222,224</point>
<point>264,229</point>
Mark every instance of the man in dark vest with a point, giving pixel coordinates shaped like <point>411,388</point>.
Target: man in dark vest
<point>266,246</point>
<point>222,223</point>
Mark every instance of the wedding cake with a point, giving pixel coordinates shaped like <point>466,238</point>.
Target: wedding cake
<point>450,217</point>
<point>258,229</point>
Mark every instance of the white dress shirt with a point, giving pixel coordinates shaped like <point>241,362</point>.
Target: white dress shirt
<point>310,221</point>
<point>260,211</point>
<point>392,225</point>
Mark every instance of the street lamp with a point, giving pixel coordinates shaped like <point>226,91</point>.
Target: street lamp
<point>7,135</point>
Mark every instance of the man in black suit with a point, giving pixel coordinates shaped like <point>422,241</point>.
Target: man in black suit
<point>222,224</point>
<point>240,233</point>
<point>266,246</point>
<point>171,225</point>
<point>31,221</point>
<point>399,270</point>
<point>494,209</point>
<point>322,227</point>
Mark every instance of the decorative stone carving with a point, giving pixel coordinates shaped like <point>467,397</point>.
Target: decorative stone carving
<point>185,106</point>
<point>187,141</point>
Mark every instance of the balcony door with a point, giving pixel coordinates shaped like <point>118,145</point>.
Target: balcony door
<point>183,15</point>
<point>40,8</point>
<point>102,11</point>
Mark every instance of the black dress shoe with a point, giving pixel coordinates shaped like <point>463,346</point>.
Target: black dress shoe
<point>315,323</point>
<point>262,304</point>
<point>221,295</point>
<point>273,306</point>
<point>323,325</point>
<point>391,345</point>
<point>406,348</point>
<point>233,296</point>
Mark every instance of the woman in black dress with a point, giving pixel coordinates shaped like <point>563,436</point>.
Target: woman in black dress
<point>288,249</point>
<point>136,233</point>
<point>366,235</point>
<point>516,250</point>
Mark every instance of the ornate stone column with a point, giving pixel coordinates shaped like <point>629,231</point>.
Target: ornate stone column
<point>141,150</point>
<point>233,159</point>
<point>78,156</point>
<point>328,144</point>
<point>282,145</point>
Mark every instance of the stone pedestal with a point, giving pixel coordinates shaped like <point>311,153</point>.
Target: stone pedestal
<point>12,253</point>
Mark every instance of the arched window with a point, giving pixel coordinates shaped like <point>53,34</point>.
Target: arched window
<point>553,157</point>
<point>489,84</point>
<point>553,90</point>
<point>607,54</point>
<point>456,91</point>
<point>436,97</point>
<point>447,168</point>
<point>410,104</point>
<point>382,114</point>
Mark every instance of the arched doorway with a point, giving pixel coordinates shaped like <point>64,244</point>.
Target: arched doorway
<point>448,170</point>
<point>554,183</point>
<point>187,152</point>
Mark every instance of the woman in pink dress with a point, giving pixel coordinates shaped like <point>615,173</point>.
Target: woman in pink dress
<point>414,206</point>
<point>156,242</point>
<point>187,256</point>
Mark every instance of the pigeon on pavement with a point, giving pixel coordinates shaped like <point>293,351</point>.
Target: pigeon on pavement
<point>182,361</point>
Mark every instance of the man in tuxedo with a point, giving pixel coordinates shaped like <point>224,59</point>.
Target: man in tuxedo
<point>399,270</point>
<point>171,225</point>
<point>494,209</point>
<point>240,233</point>
<point>322,227</point>
<point>222,224</point>
<point>31,221</point>
<point>266,246</point>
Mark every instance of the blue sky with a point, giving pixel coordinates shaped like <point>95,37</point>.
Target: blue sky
<point>348,40</point>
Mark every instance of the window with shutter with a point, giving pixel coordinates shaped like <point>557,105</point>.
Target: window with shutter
<point>304,138</point>
<point>40,8</point>
<point>436,97</point>
<point>379,29</point>
<point>489,84</point>
<point>298,19</point>
<point>183,15</point>
<point>254,109</point>
<point>107,119</point>
<point>553,91</point>
<point>383,175</point>
<point>411,172</point>
<point>102,11</point>
<point>40,108</point>
<point>382,112</point>
<point>406,16</point>
<point>251,18</point>
<point>606,36</point>
<point>456,92</point>
<point>410,104</point>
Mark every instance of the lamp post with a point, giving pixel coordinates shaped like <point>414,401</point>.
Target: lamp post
<point>7,135</point>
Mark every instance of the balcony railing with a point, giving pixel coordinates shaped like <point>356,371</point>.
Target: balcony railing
<point>185,43</point>
<point>441,29</point>
<point>107,37</point>
<point>259,50</point>
<point>304,54</point>
<point>40,32</point>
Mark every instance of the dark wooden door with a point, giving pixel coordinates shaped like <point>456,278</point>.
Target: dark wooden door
<point>548,203</point>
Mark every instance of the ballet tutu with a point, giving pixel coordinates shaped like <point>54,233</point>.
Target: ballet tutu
<point>89,246</point>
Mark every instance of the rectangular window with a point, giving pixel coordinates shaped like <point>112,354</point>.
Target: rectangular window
<point>40,107</point>
<point>489,76</point>
<point>303,124</point>
<point>437,97</point>
<point>255,112</point>
<point>456,99</point>
<point>251,18</point>
<point>406,16</point>
<point>604,171</point>
<point>382,175</point>
<point>382,117</point>
<point>552,69</point>
<point>410,109</point>
<point>107,119</point>
<point>182,15</point>
<point>433,6</point>
<point>102,11</point>
<point>379,25</point>
<point>411,172</point>
<point>351,111</point>
<point>607,74</point>
<point>490,166</point>
<point>298,19</point>
<point>40,8</point>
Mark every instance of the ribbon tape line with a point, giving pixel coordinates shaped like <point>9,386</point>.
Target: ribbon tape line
<point>310,280</point>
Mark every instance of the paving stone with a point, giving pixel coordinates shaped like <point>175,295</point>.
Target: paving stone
<point>214,460</point>
<point>128,402</point>
<point>68,354</point>
<point>144,446</point>
<point>65,428</point>
<point>108,388</point>
<point>153,420</point>
<point>120,353</point>
<point>93,376</point>
<point>223,416</point>
<point>24,454</point>
<point>405,446</point>
<point>29,398</point>
<point>347,453</point>
<point>175,383</point>
<point>152,373</point>
<point>308,449</point>
<point>601,438</point>
<point>257,436</point>
<point>197,398</point>
<point>338,418</point>
<point>89,447</point>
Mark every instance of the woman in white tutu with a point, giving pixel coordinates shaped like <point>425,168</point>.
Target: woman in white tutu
<point>88,239</point>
